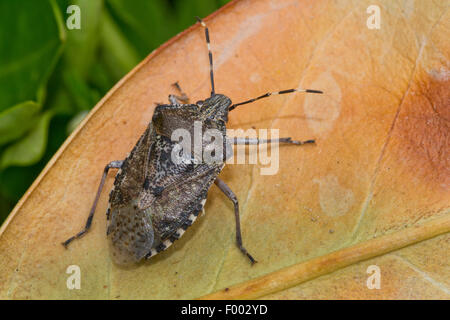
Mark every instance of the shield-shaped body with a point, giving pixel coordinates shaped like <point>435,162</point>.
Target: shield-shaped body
<point>154,199</point>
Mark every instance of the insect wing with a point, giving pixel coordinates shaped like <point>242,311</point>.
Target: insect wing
<point>130,234</point>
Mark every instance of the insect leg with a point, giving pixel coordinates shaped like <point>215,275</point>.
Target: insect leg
<point>209,54</point>
<point>113,164</point>
<point>178,99</point>
<point>252,141</point>
<point>229,193</point>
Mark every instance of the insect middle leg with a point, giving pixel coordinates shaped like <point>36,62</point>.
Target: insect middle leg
<point>113,164</point>
<point>176,99</point>
<point>230,194</point>
<point>252,141</point>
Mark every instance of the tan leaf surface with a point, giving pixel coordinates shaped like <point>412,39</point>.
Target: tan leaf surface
<point>376,181</point>
<point>416,272</point>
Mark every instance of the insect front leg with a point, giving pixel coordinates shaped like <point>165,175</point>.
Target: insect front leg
<point>252,141</point>
<point>178,99</point>
<point>113,164</point>
<point>230,194</point>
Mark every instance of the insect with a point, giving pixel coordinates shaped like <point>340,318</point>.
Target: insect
<point>154,200</point>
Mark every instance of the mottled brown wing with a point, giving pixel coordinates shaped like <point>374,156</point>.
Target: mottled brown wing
<point>130,178</point>
<point>130,234</point>
<point>135,233</point>
<point>178,205</point>
<point>152,198</point>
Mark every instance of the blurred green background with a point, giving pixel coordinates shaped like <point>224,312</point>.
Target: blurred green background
<point>50,76</point>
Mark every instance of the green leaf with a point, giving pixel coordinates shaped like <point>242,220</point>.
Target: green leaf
<point>76,120</point>
<point>15,121</point>
<point>119,54</point>
<point>81,44</point>
<point>221,3</point>
<point>31,36</point>
<point>83,96</point>
<point>147,24</point>
<point>188,10</point>
<point>68,88</point>
<point>60,101</point>
<point>100,78</point>
<point>5,207</point>
<point>30,149</point>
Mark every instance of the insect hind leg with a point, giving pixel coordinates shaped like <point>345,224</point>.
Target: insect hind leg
<point>230,194</point>
<point>113,164</point>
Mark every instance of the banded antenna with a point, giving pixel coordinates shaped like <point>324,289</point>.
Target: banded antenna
<point>268,94</point>
<point>209,54</point>
<point>251,100</point>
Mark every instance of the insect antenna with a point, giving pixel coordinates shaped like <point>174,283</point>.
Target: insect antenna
<point>268,94</point>
<point>209,53</point>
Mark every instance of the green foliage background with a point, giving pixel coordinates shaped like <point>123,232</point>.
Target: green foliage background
<point>50,77</point>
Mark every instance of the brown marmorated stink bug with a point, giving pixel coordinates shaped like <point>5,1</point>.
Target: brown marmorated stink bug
<point>154,199</point>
